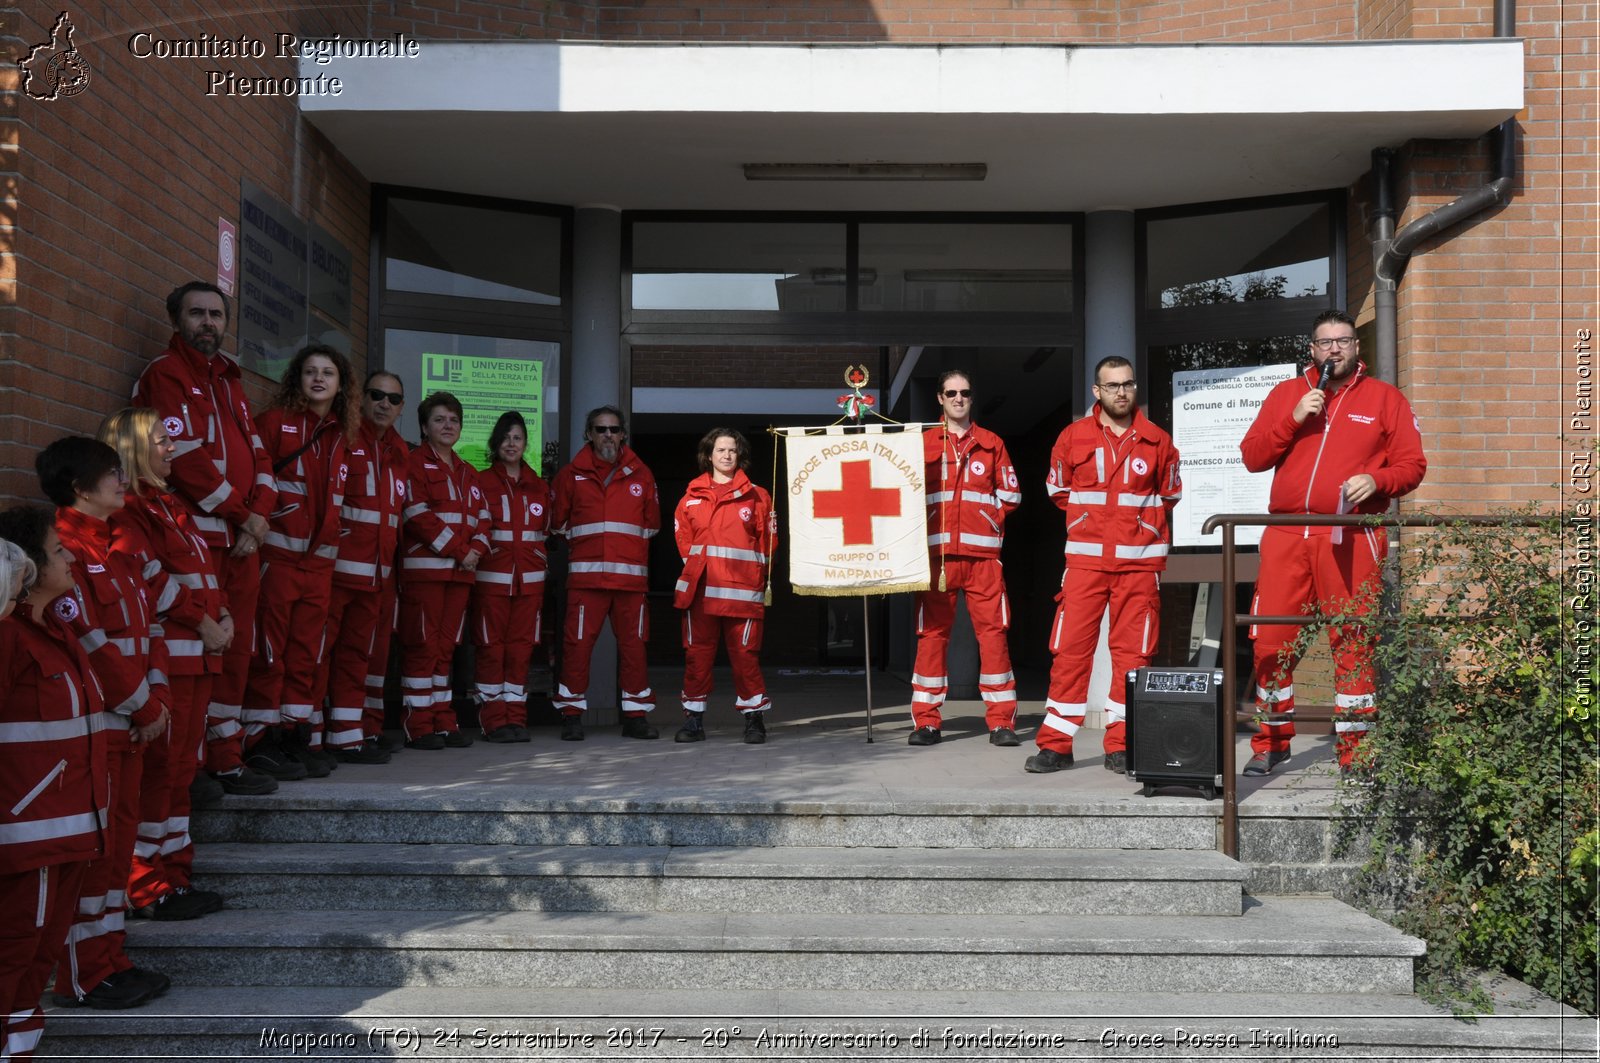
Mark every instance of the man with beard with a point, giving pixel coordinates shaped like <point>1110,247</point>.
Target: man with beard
<point>223,475</point>
<point>1115,474</point>
<point>1338,441</point>
<point>605,504</point>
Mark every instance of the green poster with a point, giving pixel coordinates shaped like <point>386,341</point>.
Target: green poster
<point>488,387</point>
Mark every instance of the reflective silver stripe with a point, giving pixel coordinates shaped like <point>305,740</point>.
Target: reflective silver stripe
<point>968,539</point>
<point>941,537</point>
<point>615,527</point>
<point>533,536</point>
<point>733,594</point>
<point>929,680</point>
<point>442,540</point>
<point>184,446</point>
<point>44,829</point>
<point>209,524</point>
<point>940,496</point>
<point>357,515</point>
<point>1135,552</point>
<point>262,479</point>
<point>979,498</point>
<point>195,580</point>
<point>449,518</point>
<point>327,550</point>
<point>923,697</point>
<point>287,542</point>
<point>1085,549</point>
<point>223,492</point>
<point>995,678</point>
<point>130,647</point>
<point>290,487</point>
<point>135,701</point>
<point>1355,701</point>
<point>501,536</point>
<point>609,566</point>
<point>355,568</point>
<point>501,578</point>
<point>1272,697</point>
<point>1138,501</point>
<point>998,697</point>
<point>680,586</point>
<point>151,567</point>
<point>1014,497</point>
<point>415,510</point>
<point>185,648</point>
<point>92,641</point>
<point>1052,490</point>
<point>1100,465</point>
<point>1087,498</point>
<point>44,730</point>
<point>169,594</point>
<point>427,562</point>
<point>731,553</point>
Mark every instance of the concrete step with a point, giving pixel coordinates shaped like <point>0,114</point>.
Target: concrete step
<point>337,812</point>
<point>328,1023</point>
<point>797,879</point>
<point>1285,945</point>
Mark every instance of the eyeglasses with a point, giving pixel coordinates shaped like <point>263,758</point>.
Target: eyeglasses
<point>1344,343</point>
<point>965,393</point>
<point>607,429</point>
<point>1118,385</point>
<point>393,398</point>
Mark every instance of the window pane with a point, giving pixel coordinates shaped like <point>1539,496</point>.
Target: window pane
<point>473,252</point>
<point>489,375</point>
<point>961,266</point>
<point>738,266</point>
<point>1238,256</point>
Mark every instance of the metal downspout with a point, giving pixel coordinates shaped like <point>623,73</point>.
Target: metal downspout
<point>1392,250</point>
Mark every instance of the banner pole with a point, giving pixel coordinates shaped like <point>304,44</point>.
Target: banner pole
<point>866,660</point>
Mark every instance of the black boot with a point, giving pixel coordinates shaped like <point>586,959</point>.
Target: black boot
<point>755,728</point>
<point>693,729</point>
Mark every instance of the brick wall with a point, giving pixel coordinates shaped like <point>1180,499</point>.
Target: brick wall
<point>116,196</point>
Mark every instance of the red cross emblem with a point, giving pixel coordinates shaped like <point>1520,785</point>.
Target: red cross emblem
<point>856,502</point>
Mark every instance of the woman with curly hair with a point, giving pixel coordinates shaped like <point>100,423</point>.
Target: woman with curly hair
<point>305,430</point>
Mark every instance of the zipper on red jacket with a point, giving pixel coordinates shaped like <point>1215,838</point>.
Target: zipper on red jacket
<point>1327,427</point>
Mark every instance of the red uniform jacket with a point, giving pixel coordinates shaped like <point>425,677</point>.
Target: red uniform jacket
<point>220,469</point>
<point>114,629</point>
<point>972,487</point>
<point>369,519</point>
<point>304,528</point>
<point>156,531</point>
<point>727,534</point>
<point>1117,492</point>
<point>54,788</point>
<point>609,514</point>
<point>445,519</point>
<point>520,512</point>
<point>1366,427</point>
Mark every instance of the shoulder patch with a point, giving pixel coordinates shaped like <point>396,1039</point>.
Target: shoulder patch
<point>66,608</point>
<point>173,425</point>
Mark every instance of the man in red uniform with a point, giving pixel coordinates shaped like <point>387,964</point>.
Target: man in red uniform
<point>1115,474</point>
<point>1338,441</point>
<point>222,473</point>
<point>972,487</point>
<point>605,504</point>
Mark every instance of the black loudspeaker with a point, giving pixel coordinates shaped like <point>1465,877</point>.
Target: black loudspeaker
<point>1174,728</point>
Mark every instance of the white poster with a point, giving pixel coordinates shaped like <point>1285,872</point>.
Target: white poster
<point>1212,409</point>
<point>858,520</point>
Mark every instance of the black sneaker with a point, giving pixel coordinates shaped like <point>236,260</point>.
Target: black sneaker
<point>325,756</point>
<point>270,759</point>
<point>572,729</point>
<point>116,992</point>
<point>247,783</point>
<point>209,898</point>
<point>366,753</point>
<point>173,908</point>
<point>925,736</point>
<point>1117,762</point>
<point>1263,763</point>
<point>755,729</point>
<point>1046,761</point>
<point>693,729</point>
<point>456,739</point>
<point>385,742</point>
<point>205,792</point>
<point>157,981</point>
<point>425,742</point>
<point>1002,736</point>
<point>521,733</point>
<point>501,735</point>
<point>638,727</point>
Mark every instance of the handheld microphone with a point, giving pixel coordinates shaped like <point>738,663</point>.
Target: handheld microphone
<point>1322,378</point>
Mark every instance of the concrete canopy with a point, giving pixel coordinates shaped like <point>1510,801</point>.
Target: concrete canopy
<point>1059,128</point>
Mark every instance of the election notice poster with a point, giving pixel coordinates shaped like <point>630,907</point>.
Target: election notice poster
<point>488,387</point>
<point>858,521</point>
<point>1212,409</point>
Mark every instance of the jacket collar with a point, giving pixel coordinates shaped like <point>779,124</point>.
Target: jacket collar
<point>218,364</point>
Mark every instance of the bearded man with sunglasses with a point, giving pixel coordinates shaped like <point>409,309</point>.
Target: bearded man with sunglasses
<point>361,618</point>
<point>972,487</point>
<point>604,503</point>
<point>1115,475</point>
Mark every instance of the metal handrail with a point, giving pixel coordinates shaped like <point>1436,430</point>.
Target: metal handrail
<point>1232,620</point>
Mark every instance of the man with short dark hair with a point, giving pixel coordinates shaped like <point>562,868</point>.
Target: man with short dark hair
<point>1338,441</point>
<point>605,504</point>
<point>1115,474</point>
<point>223,474</point>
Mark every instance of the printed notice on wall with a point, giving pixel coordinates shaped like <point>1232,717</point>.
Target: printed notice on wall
<point>486,388</point>
<point>272,282</point>
<point>1212,409</point>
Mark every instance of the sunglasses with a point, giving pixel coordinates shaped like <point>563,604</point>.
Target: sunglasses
<point>607,429</point>
<point>965,393</point>
<point>393,398</point>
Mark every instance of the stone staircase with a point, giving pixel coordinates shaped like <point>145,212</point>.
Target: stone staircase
<point>377,923</point>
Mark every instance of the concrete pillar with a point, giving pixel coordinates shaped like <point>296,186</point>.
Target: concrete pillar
<point>597,381</point>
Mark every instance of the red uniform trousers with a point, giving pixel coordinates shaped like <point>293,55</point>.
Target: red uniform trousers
<point>1134,599</point>
<point>742,634</point>
<point>163,853</point>
<point>984,583</point>
<point>374,711</point>
<point>432,615</point>
<point>504,630</point>
<point>240,581</point>
<point>291,636</point>
<point>94,942</point>
<point>36,908</point>
<point>587,609</point>
<point>353,614</point>
<point>1310,573</point>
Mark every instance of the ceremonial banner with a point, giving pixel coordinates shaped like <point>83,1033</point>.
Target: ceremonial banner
<point>858,520</point>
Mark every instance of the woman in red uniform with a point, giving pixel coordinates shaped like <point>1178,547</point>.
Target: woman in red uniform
<point>53,796</point>
<point>445,534</point>
<point>305,431</point>
<point>726,532</point>
<point>154,528</point>
<point>509,593</point>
